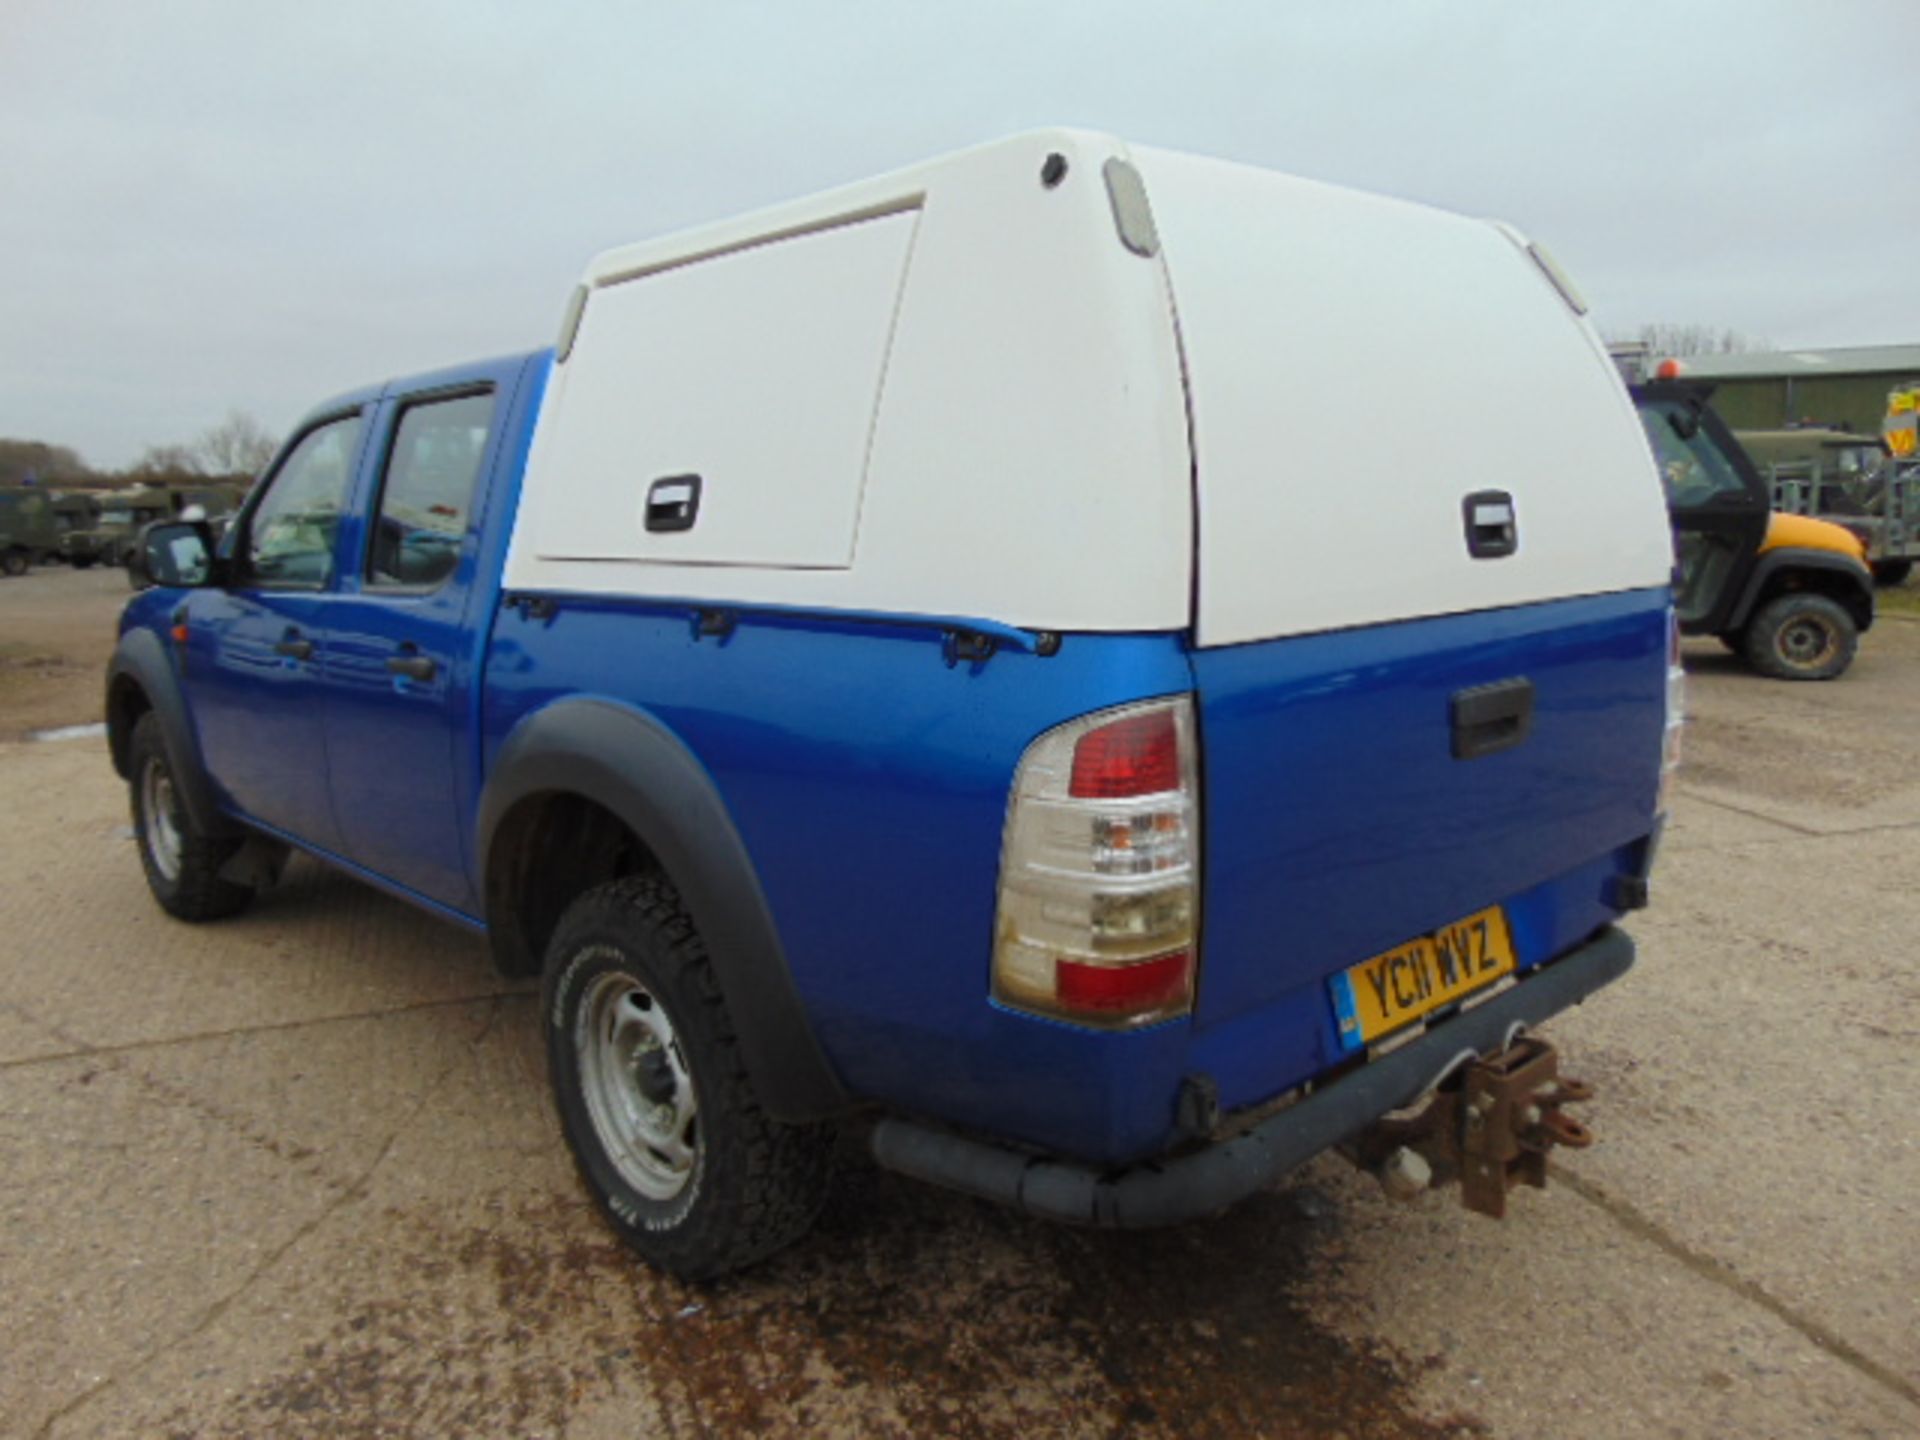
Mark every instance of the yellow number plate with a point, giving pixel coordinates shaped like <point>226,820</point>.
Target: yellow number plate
<point>1378,996</point>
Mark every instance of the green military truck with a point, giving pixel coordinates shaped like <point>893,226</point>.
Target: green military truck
<point>123,512</point>
<point>28,532</point>
<point>1869,484</point>
<point>73,510</point>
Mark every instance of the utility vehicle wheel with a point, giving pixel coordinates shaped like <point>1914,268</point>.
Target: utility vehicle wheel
<point>1889,573</point>
<point>1802,637</point>
<point>653,1094</point>
<point>81,562</point>
<point>182,863</point>
<point>14,562</point>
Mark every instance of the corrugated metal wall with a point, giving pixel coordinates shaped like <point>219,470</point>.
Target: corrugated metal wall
<point>1854,402</point>
<point>1751,404</point>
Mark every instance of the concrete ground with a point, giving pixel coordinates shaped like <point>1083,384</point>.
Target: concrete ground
<point>295,1173</point>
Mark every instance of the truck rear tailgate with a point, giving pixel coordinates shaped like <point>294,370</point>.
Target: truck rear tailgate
<point>1339,823</point>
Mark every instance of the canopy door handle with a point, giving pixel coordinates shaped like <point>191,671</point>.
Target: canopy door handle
<point>673,503</point>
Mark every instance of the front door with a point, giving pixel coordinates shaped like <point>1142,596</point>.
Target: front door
<point>1715,500</point>
<point>255,648</point>
<point>398,663</point>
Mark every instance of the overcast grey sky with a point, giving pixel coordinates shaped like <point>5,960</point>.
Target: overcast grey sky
<point>207,204</point>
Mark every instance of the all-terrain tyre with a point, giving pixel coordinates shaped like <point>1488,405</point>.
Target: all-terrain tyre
<point>182,863</point>
<point>1889,573</point>
<point>15,562</point>
<point>1802,636</point>
<point>653,1094</point>
<point>81,562</point>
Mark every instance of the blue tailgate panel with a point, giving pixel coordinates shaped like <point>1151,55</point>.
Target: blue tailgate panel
<point>1338,823</point>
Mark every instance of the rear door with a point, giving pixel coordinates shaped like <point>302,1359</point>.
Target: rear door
<point>399,658</point>
<point>1718,503</point>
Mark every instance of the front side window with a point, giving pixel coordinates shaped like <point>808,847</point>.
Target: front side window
<point>1692,467</point>
<point>290,537</point>
<point>428,493</point>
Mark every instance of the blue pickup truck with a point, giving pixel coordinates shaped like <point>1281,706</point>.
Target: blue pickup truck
<point>931,657</point>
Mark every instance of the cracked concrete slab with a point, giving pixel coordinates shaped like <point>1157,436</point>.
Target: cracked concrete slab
<point>1782,750</point>
<point>104,970</point>
<point>1562,1322</point>
<point>23,1039</point>
<point>1772,1126</point>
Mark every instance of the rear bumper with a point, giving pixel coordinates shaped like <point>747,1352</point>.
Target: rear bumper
<point>1203,1182</point>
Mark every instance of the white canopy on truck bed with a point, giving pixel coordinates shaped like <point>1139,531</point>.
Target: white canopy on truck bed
<point>962,390</point>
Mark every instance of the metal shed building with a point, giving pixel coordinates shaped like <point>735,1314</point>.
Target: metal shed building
<point>1845,388</point>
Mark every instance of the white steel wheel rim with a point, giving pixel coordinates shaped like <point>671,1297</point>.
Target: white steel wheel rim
<point>638,1092</point>
<point>157,814</point>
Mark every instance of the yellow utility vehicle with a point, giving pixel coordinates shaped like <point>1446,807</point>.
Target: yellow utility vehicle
<point>1790,593</point>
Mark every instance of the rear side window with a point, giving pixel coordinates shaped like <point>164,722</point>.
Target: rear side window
<point>290,538</point>
<point>427,494</point>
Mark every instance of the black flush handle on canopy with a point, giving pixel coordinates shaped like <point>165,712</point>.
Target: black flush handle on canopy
<point>1493,528</point>
<point>673,503</point>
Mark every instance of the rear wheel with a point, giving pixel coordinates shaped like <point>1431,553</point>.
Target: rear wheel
<point>1802,637</point>
<point>15,561</point>
<point>653,1093</point>
<point>1892,572</point>
<point>81,562</point>
<point>182,862</point>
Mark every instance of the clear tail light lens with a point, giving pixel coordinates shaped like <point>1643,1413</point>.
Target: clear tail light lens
<point>1099,870</point>
<point>1676,716</point>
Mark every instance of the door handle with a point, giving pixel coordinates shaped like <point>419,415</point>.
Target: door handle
<point>414,667</point>
<point>673,503</point>
<point>1493,528</point>
<point>295,647</point>
<point>1491,718</point>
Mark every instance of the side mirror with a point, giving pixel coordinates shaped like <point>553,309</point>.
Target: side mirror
<point>174,553</point>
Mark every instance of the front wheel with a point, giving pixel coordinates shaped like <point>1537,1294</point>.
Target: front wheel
<point>1802,637</point>
<point>14,562</point>
<point>81,562</point>
<point>1889,573</point>
<point>182,862</point>
<point>653,1093</point>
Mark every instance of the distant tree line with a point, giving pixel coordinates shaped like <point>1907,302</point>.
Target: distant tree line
<point>235,449</point>
<point>1680,341</point>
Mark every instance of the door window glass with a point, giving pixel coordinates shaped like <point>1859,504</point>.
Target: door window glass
<point>1692,466</point>
<point>428,493</point>
<point>290,537</point>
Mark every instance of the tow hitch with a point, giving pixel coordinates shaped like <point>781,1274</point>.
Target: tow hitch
<point>1490,1125</point>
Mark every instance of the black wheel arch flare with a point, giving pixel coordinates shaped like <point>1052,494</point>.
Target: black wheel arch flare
<point>142,677</point>
<point>1839,577</point>
<point>631,765</point>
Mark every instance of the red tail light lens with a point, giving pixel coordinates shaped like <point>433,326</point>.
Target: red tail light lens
<point>1139,755</point>
<point>1147,986</point>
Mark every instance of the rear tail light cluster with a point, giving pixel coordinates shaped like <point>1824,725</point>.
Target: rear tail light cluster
<point>1676,715</point>
<point>1099,870</point>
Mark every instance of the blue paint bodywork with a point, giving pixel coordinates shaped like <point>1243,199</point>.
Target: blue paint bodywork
<point>867,770</point>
